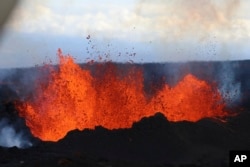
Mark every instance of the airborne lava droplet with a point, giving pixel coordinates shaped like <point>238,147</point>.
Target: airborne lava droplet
<point>75,99</point>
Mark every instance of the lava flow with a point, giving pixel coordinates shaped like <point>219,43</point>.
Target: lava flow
<point>76,99</point>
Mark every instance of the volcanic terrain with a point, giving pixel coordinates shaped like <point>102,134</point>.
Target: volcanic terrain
<point>150,140</point>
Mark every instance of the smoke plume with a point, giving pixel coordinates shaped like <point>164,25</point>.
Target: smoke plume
<point>9,137</point>
<point>182,18</point>
<point>15,84</point>
<point>192,30</point>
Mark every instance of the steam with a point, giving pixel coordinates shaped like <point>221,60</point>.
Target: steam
<point>9,137</point>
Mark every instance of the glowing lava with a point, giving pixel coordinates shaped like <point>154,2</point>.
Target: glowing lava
<point>75,99</point>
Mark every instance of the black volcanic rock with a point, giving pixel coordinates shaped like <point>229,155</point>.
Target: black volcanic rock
<point>153,140</point>
<point>156,140</point>
<point>150,135</point>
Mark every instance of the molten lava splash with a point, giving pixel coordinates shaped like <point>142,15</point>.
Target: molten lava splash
<point>66,103</point>
<point>120,99</point>
<point>74,99</point>
<point>190,100</point>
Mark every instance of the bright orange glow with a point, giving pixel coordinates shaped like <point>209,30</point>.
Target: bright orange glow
<point>190,100</point>
<point>74,99</point>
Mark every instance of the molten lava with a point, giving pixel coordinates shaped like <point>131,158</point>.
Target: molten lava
<point>75,99</point>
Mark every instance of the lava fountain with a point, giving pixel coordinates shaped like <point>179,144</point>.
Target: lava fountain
<point>75,99</point>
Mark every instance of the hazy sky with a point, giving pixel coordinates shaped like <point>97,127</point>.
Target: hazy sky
<point>155,30</point>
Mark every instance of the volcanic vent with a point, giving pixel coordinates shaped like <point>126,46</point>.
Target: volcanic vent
<point>73,98</point>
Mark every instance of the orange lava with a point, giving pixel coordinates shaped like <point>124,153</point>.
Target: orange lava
<point>74,99</point>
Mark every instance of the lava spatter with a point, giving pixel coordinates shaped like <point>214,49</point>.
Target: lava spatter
<point>75,99</point>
